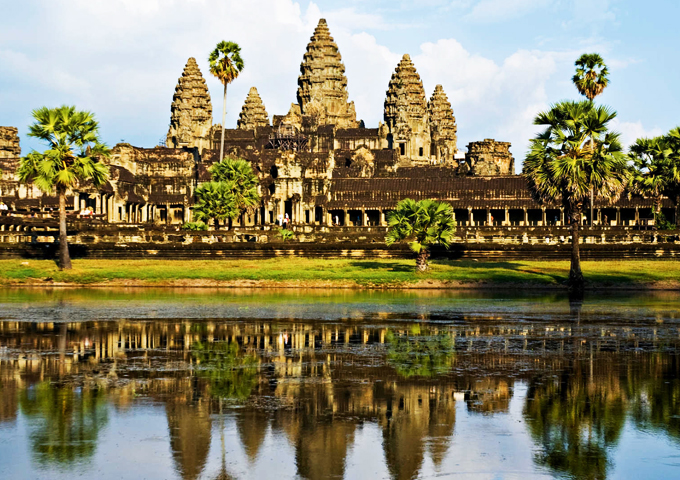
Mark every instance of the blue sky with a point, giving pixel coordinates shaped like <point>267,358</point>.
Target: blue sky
<point>500,61</point>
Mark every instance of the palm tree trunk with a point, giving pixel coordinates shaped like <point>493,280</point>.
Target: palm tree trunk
<point>64,257</point>
<point>224,116</point>
<point>421,261</point>
<point>575,284</point>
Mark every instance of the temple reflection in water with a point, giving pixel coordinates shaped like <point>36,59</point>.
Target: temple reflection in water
<point>318,384</point>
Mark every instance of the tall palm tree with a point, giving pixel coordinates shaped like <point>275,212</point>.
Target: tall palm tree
<point>652,169</point>
<point>591,75</point>
<point>73,157</point>
<point>575,152</point>
<point>421,224</point>
<point>590,80</point>
<point>225,64</point>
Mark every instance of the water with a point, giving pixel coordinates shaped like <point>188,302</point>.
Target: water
<point>337,384</point>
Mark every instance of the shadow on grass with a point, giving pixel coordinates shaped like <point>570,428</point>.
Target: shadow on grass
<point>509,266</point>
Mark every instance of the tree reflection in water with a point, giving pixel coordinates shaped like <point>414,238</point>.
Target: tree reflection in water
<point>420,354</point>
<point>230,373</point>
<point>64,422</point>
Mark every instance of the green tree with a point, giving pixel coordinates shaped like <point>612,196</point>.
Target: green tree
<point>73,157</point>
<point>232,191</point>
<point>591,75</point>
<point>653,174</point>
<point>575,152</point>
<point>225,64</point>
<point>215,201</point>
<point>240,173</point>
<point>673,189</point>
<point>422,224</point>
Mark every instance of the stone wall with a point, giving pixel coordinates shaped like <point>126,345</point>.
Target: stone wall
<point>489,157</point>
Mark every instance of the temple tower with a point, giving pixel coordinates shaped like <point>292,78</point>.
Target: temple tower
<point>322,85</point>
<point>442,127</point>
<point>191,111</point>
<point>406,113</point>
<point>253,113</point>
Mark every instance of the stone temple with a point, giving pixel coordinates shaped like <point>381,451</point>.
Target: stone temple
<point>316,162</point>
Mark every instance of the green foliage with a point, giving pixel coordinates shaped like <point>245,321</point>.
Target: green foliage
<point>591,75</point>
<point>195,226</point>
<point>73,154</point>
<point>226,62</point>
<point>232,191</point>
<point>285,234</point>
<point>652,172</point>
<point>230,373</point>
<point>421,224</point>
<point>575,152</point>
<point>420,355</point>
<point>239,175</point>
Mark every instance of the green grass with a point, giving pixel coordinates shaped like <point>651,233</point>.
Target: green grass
<point>338,271</point>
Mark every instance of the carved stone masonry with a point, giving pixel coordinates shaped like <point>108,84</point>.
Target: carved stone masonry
<point>253,113</point>
<point>322,85</point>
<point>406,112</point>
<point>490,157</point>
<point>442,127</point>
<point>191,111</point>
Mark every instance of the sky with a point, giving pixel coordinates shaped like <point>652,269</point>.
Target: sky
<point>499,61</point>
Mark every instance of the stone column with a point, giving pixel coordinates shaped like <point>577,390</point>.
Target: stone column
<point>599,216</point>
<point>637,214</point>
<point>471,220</point>
<point>488,217</point>
<point>526,217</point>
<point>544,217</point>
<point>507,216</point>
<point>562,216</point>
<point>364,220</point>
<point>346,223</point>
<point>76,201</point>
<point>618,216</point>
<point>98,204</point>
<point>168,216</point>
<point>383,219</point>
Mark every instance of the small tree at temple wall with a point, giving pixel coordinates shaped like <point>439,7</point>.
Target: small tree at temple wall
<point>73,157</point>
<point>422,224</point>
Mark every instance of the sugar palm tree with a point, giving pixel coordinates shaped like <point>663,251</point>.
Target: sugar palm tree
<point>225,64</point>
<point>216,202</point>
<point>673,191</point>
<point>421,224</point>
<point>245,182</point>
<point>653,172</point>
<point>73,157</point>
<point>575,152</point>
<point>591,75</point>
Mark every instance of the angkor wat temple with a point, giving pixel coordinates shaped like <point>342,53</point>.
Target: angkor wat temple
<point>317,162</point>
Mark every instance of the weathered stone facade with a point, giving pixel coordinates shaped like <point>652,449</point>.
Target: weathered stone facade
<point>253,114</point>
<point>191,111</point>
<point>442,127</point>
<point>322,85</point>
<point>406,113</point>
<point>490,157</point>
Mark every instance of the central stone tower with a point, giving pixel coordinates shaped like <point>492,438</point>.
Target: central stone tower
<point>322,85</point>
<point>406,113</point>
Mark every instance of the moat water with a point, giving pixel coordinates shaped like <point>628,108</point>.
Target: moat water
<point>217,384</point>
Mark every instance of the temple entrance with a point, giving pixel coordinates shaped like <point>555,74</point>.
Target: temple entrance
<point>534,215</point>
<point>337,217</point>
<point>516,216</point>
<point>497,217</point>
<point>552,216</point>
<point>318,215</point>
<point>288,209</point>
<point>355,218</point>
<point>462,216</point>
<point>373,218</point>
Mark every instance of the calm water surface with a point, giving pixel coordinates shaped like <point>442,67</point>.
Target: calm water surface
<point>278,384</point>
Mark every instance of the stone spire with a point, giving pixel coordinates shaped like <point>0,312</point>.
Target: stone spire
<point>322,85</point>
<point>442,126</point>
<point>406,111</point>
<point>191,110</point>
<point>253,113</point>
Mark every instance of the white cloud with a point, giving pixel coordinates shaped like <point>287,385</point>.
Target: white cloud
<point>631,131</point>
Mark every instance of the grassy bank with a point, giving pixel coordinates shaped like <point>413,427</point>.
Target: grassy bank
<point>308,272</point>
